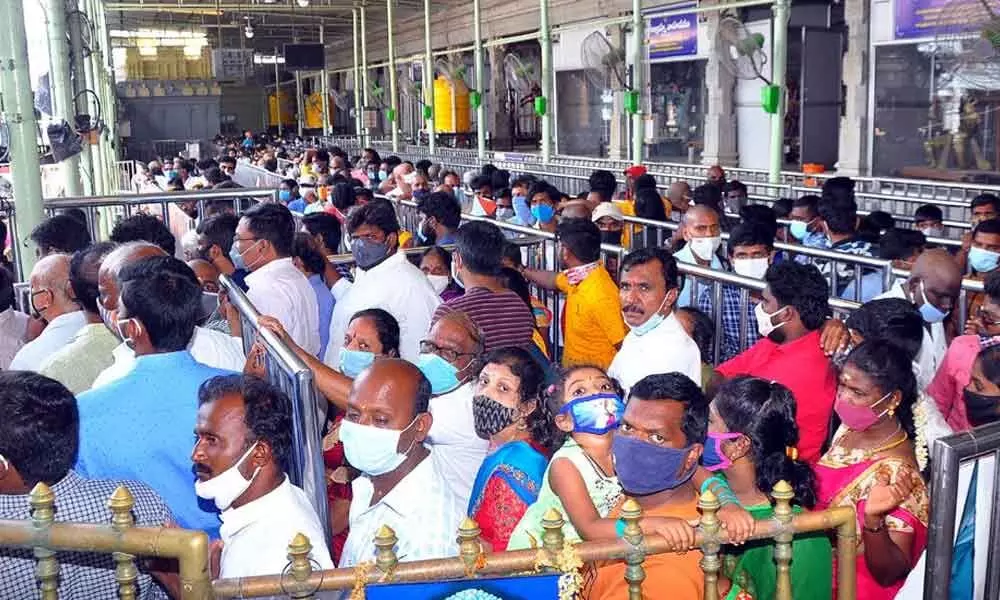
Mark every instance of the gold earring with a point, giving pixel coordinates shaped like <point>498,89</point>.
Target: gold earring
<point>892,412</point>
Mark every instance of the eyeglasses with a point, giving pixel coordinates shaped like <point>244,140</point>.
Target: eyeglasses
<point>429,347</point>
<point>987,319</point>
<point>237,239</point>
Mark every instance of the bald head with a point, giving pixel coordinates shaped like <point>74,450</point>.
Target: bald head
<point>680,195</point>
<point>389,394</point>
<point>576,209</point>
<point>207,274</point>
<point>113,263</point>
<point>935,278</point>
<point>51,293</point>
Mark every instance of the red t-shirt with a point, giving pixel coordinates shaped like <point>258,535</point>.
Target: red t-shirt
<point>802,367</point>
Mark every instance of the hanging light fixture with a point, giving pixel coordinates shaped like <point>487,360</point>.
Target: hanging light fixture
<point>302,3</point>
<point>248,29</point>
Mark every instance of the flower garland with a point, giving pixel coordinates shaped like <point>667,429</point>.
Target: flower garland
<point>473,595</point>
<point>568,561</point>
<point>361,571</point>
<point>920,424</point>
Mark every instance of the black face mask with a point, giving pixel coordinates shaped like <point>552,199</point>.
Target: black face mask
<point>611,237</point>
<point>980,408</point>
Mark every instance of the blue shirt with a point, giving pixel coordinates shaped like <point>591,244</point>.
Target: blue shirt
<point>141,427</point>
<point>297,206</point>
<point>324,298</point>
<point>685,255</point>
<point>730,318</point>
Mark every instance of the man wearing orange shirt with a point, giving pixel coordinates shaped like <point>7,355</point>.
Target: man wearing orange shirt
<point>656,450</point>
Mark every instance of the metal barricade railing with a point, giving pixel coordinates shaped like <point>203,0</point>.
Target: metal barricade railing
<point>251,176</point>
<point>289,373</point>
<point>948,456</point>
<point>46,537</point>
<point>126,172</point>
<point>22,297</point>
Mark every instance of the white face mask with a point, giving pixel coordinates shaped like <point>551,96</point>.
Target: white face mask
<point>438,282</point>
<point>751,267</point>
<point>705,247</point>
<point>933,231</point>
<point>228,485</point>
<point>765,324</point>
<point>372,450</point>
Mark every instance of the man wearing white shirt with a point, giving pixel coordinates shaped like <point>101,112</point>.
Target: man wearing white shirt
<point>384,279</point>
<point>212,348</point>
<point>51,298</point>
<point>264,240</point>
<point>933,287</point>
<point>401,485</point>
<point>242,449</point>
<point>449,359</point>
<point>657,342</point>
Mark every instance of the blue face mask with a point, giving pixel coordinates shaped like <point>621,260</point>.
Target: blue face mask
<point>442,374</point>
<point>983,261</point>
<point>420,194</point>
<point>644,468</point>
<point>352,362</point>
<point>170,174</point>
<point>651,323</point>
<point>237,259</point>
<point>543,212</point>
<point>382,175</point>
<point>798,229</point>
<point>597,414</point>
<point>285,195</point>
<point>367,253</point>
<point>928,311</point>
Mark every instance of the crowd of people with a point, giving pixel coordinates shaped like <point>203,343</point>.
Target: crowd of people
<point>448,393</point>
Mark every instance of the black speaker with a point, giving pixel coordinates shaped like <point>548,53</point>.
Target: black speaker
<point>64,141</point>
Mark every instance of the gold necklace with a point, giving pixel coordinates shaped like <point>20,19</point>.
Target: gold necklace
<point>882,447</point>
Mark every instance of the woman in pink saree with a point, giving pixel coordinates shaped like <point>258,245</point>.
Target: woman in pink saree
<point>874,464</point>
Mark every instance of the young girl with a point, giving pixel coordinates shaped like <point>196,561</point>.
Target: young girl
<point>580,481</point>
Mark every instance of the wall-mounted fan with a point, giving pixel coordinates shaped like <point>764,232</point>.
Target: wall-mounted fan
<point>413,89</point>
<point>522,77</point>
<point>606,68</point>
<point>742,54</point>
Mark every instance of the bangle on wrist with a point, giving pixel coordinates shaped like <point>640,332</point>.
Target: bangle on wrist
<point>879,527</point>
<point>620,528</point>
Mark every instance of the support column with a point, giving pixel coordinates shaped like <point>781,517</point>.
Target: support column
<point>546,43</point>
<point>618,141</point>
<point>719,132</point>
<point>393,97</point>
<point>853,155</point>
<point>97,172</point>
<point>364,66</point>
<point>781,14</point>
<point>277,94</point>
<point>62,89</point>
<point>477,29</point>
<point>638,80</point>
<point>428,80</point>
<point>325,90</point>
<point>299,106</point>
<point>19,114</point>
<point>77,61</point>
<point>500,120</point>
<point>358,129</point>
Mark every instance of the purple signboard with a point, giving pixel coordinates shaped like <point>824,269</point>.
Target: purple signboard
<point>930,18</point>
<point>673,35</point>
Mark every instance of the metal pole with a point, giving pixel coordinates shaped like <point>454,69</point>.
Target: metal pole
<point>428,79</point>
<point>299,108</point>
<point>393,100</point>
<point>325,90</point>
<point>77,61</point>
<point>19,114</point>
<point>91,109</point>
<point>477,33</point>
<point>546,42</point>
<point>364,65</point>
<point>62,90</point>
<point>358,129</point>
<point>277,95</point>
<point>638,79</point>
<point>780,55</point>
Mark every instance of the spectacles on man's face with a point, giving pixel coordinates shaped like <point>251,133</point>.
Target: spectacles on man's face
<point>452,356</point>
<point>987,318</point>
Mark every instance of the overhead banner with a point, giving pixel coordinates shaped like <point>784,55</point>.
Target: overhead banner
<point>930,18</point>
<point>674,35</point>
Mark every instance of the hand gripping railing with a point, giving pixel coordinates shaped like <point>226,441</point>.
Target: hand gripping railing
<point>472,562</point>
<point>289,373</point>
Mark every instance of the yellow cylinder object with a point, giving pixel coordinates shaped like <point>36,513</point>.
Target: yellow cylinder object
<point>446,120</point>
<point>279,106</point>
<point>314,111</point>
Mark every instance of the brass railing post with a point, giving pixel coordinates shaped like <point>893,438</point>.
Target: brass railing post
<point>552,534</point>
<point>634,573</point>
<point>469,547</point>
<point>783,495</point>
<point>385,551</point>
<point>126,574</point>
<point>301,566</point>
<point>847,545</point>
<point>42,516</point>
<point>710,561</point>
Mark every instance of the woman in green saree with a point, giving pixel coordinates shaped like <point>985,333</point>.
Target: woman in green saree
<point>751,440</point>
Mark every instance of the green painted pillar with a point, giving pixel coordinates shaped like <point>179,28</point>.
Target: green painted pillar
<point>62,87</point>
<point>779,68</point>
<point>428,80</point>
<point>546,43</point>
<point>638,80</point>
<point>477,28</point>
<point>393,95</point>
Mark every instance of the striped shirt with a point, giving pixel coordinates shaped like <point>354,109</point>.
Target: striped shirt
<point>502,317</point>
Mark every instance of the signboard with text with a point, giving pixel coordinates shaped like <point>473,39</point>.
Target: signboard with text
<point>931,18</point>
<point>672,35</point>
